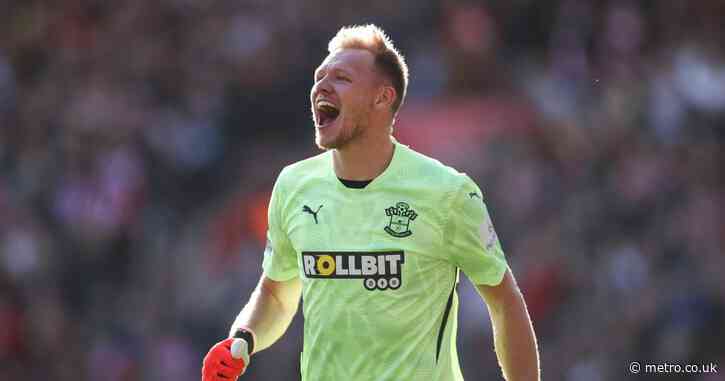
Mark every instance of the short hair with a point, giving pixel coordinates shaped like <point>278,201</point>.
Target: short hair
<point>387,58</point>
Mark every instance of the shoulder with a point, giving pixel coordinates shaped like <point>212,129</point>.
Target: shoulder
<point>432,171</point>
<point>296,173</point>
<point>292,179</point>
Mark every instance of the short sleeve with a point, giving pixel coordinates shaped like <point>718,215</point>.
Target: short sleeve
<point>280,259</point>
<point>470,238</point>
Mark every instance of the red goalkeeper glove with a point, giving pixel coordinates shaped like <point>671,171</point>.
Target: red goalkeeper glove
<point>229,358</point>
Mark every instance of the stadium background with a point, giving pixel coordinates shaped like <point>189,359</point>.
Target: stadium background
<point>140,140</point>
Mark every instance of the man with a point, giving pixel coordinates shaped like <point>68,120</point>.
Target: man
<point>372,234</point>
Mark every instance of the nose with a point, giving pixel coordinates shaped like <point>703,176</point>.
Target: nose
<point>321,87</point>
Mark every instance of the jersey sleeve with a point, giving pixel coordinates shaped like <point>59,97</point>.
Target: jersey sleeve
<point>280,259</point>
<point>470,238</point>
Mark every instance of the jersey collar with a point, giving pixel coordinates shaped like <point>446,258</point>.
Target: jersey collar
<point>390,171</point>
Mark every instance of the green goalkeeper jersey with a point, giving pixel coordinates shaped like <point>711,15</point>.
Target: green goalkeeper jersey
<point>379,265</point>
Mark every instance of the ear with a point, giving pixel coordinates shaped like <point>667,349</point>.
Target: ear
<point>385,98</point>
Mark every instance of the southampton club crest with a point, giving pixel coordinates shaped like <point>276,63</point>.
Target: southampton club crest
<point>400,218</point>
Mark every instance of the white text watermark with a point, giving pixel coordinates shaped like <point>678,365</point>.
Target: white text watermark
<point>636,367</point>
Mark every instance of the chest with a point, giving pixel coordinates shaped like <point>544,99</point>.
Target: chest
<point>381,248</point>
<point>363,221</point>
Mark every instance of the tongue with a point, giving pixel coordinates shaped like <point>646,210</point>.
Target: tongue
<point>327,117</point>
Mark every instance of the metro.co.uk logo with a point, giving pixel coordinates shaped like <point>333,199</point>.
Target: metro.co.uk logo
<point>378,270</point>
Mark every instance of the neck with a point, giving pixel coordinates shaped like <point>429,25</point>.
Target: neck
<point>363,159</point>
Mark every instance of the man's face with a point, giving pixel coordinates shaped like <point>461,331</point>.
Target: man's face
<point>342,96</point>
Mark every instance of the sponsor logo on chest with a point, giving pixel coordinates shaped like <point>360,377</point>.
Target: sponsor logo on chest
<point>379,270</point>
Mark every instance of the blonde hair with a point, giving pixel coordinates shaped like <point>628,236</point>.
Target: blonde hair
<point>388,59</point>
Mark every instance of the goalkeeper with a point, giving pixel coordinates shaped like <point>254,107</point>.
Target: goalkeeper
<point>372,235</point>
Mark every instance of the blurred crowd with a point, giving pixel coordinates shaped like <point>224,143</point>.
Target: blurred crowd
<point>139,142</point>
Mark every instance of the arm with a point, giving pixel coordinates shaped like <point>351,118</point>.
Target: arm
<point>270,310</point>
<point>514,337</point>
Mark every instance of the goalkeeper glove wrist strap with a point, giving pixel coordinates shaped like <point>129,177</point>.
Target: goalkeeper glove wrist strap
<point>248,336</point>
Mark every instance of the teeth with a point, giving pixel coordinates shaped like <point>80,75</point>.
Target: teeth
<point>326,103</point>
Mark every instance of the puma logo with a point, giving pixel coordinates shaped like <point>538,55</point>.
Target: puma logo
<point>473,194</point>
<point>307,209</point>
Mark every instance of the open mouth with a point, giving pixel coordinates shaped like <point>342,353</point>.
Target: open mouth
<point>327,113</point>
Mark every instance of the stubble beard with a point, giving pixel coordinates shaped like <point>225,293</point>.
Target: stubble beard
<point>344,137</point>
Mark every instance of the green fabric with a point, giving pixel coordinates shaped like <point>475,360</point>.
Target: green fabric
<point>379,265</point>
